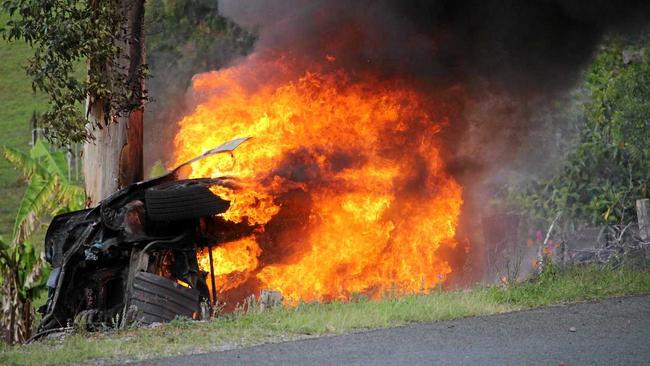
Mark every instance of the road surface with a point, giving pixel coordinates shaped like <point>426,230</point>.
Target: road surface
<point>609,332</point>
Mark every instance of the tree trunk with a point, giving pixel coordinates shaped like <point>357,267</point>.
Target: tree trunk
<point>114,158</point>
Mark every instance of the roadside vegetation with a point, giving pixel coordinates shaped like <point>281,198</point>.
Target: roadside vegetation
<point>555,286</point>
<point>22,270</point>
<point>608,171</point>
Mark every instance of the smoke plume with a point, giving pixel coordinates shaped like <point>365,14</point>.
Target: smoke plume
<point>505,58</point>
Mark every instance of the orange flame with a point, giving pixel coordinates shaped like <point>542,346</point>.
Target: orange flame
<point>231,262</point>
<point>343,179</point>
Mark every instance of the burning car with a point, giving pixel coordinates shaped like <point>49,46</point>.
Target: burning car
<point>344,192</point>
<point>133,257</point>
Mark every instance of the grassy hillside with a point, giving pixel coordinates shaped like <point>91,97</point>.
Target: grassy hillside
<point>17,102</point>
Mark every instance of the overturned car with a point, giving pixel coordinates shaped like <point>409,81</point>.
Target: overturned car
<point>133,257</point>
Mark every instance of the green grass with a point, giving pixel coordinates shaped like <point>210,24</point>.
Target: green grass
<point>581,283</point>
<point>187,337</point>
<point>17,102</point>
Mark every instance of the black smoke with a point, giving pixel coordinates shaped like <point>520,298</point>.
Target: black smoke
<point>514,45</point>
<point>493,64</point>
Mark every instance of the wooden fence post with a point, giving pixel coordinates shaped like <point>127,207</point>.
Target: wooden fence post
<point>643,217</point>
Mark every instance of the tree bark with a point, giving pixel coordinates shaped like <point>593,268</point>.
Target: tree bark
<point>114,158</point>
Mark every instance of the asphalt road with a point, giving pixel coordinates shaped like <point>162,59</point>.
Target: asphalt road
<point>610,332</point>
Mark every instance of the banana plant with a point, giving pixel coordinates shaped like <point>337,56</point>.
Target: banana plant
<point>22,277</point>
<point>49,191</point>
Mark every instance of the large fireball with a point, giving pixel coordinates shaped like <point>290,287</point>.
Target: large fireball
<point>343,179</point>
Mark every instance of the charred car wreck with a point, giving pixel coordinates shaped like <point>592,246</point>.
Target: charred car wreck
<point>133,257</point>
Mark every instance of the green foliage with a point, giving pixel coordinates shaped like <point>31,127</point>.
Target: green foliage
<point>22,278</point>
<point>63,34</point>
<point>49,191</point>
<point>610,167</point>
<point>573,284</point>
<point>22,271</point>
<point>183,38</point>
<point>25,258</point>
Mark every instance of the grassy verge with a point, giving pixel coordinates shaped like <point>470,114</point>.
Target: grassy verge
<point>184,337</point>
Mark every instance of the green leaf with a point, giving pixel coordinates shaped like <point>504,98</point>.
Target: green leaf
<point>22,161</point>
<point>54,162</point>
<point>5,253</point>
<point>37,198</point>
<point>71,197</point>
